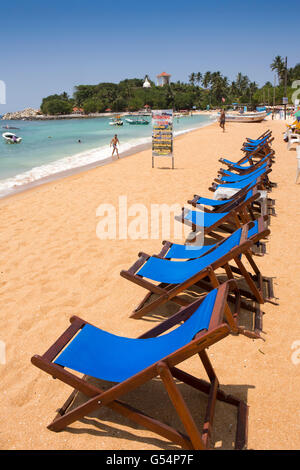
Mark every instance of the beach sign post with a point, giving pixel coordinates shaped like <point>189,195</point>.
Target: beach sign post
<point>162,134</point>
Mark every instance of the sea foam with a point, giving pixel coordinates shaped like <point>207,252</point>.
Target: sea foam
<point>79,160</point>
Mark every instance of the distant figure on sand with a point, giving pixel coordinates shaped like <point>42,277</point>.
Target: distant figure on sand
<point>115,142</point>
<point>222,119</point>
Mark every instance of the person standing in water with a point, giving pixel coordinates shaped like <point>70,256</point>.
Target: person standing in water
<point>222,119</point>
<point>115,142</point>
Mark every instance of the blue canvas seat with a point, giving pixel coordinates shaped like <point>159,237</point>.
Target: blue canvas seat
<point>248,168</point>
<point>178,251</point>
<point>233,178</point>
<point>226,215</point>
<point>167,278</point>
<point>114,358</point>
<point>130,363</point>
<point>239,184</point>
<point>204,219</point>
<point>255,150</point>
<point>244,165</point>
<point>215,203</point>
<point>204,201</point>
<point>175,272</point>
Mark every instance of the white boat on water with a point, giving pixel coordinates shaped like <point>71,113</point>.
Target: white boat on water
<point>116,121</point>
<point>244,117</point>
<point>137,120</point>
<point>11,138</point>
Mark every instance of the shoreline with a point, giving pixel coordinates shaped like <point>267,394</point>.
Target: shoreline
<point>44,117</point>
<point>86,167</point>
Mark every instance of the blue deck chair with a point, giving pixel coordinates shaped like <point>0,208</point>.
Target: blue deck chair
<point>130,363</point>
<point>252,153</point>
<point>208,223</point>
<point>261,181</point>
<point>255,144</point>
<point>244,170</point>
<point>174,277</point>
<point>235,164</point>
<point>249,161</point>
<point>241,184</point>
<point>255,141</point>
<point>223,205</point>
<point>233,178</point>
<point>190,251</point>
<point>268,133</point>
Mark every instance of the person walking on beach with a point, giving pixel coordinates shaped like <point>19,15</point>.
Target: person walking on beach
<point>222,119</point>
<point>115,142</point>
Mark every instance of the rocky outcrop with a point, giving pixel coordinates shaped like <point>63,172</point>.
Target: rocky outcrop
<point>27,113</point>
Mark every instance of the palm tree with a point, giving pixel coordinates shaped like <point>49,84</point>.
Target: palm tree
<point>65,96</point>
<point>219,86</point>
<point>242,83</point>
<point>198,77</point>
<point>192,78</point>
<point>293,73</point>
<point>206,80</point>
<point>234,89</point>
<point>252,89</point>
<point>278,65</point>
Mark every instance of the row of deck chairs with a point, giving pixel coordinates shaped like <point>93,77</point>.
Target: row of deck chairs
<point>237,228</point>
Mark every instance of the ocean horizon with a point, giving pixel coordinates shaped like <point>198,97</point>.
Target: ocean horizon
<point>49,148</point>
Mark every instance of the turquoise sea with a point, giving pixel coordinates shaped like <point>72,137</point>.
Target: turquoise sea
<point>50,147</point>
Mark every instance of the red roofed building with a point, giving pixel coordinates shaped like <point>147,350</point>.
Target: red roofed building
<point>163,79</point>
<point>77,110</point>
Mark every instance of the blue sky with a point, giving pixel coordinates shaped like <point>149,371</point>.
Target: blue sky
<point>50,46</point>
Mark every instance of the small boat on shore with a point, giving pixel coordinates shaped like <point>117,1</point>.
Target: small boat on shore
<point>11,138</point>
<point>245,117</point>
<point>137,120</point>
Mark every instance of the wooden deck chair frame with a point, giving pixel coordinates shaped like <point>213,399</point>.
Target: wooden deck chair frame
<point>258,248</point>
<point>206,278</point>
<point>248,171</point>
<point>265,140</point>
<point>234,219</point>
<point>252,156</point>
<point>238,197</point>
<point>262,182</point>
<point>260,151</point>
<point>264,177</point>
<point>167,369</point>
<point>263,207</point>
<point>268,133</point>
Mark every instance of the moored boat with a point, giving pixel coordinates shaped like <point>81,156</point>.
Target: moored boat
<point>116,121</point>
<point>245,117</point>
<point>137,120</point>
<point>11,138</point>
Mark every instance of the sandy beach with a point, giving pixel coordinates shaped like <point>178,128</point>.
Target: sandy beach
<point>54,266</point>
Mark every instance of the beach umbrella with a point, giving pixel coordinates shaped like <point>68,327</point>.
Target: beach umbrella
<point>297,114</point>
<point>108,110</point>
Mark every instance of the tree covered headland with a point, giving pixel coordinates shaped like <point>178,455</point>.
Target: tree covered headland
<point>202,90</point>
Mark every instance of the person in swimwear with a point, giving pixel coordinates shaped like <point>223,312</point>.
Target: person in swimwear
<point>222,119</point>
<point>115,142</point>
